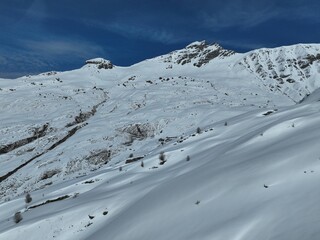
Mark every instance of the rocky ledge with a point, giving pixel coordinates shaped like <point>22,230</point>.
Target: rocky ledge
<point>100,63</point>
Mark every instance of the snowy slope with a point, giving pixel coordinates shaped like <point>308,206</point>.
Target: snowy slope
<point>86,145</point>
<point>293,70</point>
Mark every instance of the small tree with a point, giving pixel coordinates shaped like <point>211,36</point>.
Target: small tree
<point>162,158</point>
<point>28,198</point>
<point>17,217</point>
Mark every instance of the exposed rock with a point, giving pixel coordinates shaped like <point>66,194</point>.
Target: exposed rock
<point>49,174</point>
<point>84,116</point>
<point>99,157</point>
<point>139,131</point>
<point>198,53</point>
<point>309,60</point>
<point>278,68</point>
<point>37,133</point>
<point>65,138</point>
<point>50,201</point>
<point>100,63</point>
<point>135,159</point>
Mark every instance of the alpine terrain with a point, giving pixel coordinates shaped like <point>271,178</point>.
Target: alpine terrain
<point>201,143</point>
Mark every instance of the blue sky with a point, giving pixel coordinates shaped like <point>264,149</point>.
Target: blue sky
<point>43,35</point>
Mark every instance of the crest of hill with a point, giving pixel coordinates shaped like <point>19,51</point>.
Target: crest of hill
<point>100,63</point>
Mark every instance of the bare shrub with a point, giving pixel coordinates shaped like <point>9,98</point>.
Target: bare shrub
<point>17,217</point>
<point>162,158</point>
<point>49,174</point>
<point>28,198</point>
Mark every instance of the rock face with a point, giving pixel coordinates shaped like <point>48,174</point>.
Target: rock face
<point>100,63</point>
<point>198,54</point>
<point>291,69</point>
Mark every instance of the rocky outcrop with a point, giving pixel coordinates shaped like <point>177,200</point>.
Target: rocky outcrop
<point>37,133</point>
<point>65,138</point>
<point>290,70</point>
<point>100,63</point>
<point>197,54</point>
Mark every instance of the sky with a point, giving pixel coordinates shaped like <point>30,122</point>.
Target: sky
<point>44,35</point>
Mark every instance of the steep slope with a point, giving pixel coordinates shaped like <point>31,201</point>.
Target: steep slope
<point>293,70</point>
<point>86,144</point>
<point>197,54</point>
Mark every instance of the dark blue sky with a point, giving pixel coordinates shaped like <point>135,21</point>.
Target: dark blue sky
<point>43,35</point>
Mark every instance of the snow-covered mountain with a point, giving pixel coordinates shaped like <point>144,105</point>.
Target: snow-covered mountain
<point>293,70</point>
<point>196,53</point>
<point>200,143</point>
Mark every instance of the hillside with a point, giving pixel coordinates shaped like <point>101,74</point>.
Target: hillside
<point>238,133</point>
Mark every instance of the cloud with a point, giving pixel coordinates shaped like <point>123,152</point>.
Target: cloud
<point>248,13</point>
<point>19,63</point>
<point>37,8</point>
<point>3,60</point>
<point>142,32</point>
<point>137,31</point>
<point>55,48</point>
<point>238,14</point>
<point>35,56</point>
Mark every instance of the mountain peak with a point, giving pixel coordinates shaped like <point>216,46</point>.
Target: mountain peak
<point>197,53</point>
<point>201,45</point>
<point>197,44</point>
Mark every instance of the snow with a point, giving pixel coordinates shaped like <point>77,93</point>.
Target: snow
<point>253,171</point>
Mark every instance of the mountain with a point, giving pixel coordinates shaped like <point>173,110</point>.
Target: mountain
<point>293,70</point>
<point>197,53</point>
<point>200,143</point>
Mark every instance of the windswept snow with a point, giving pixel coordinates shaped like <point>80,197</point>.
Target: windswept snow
<point>86,145</point>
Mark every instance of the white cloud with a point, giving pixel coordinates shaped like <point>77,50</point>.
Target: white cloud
<point>136,31</point>
<point>37,9</point>
<point>42,55</point>
<point>3,60</point>
<point>238,14</point>
<point>64,47</point>
<point>247,14</point>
